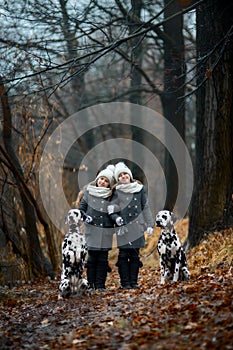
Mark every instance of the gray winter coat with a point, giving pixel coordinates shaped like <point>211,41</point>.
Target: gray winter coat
<point>99,233</point>
<point>136,214</point>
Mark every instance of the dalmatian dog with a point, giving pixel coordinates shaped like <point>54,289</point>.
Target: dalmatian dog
<point>74,251</point>
<point>173,263</point>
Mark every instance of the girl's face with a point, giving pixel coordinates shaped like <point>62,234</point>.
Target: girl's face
<point>103,182</point>
<point>124,178</point>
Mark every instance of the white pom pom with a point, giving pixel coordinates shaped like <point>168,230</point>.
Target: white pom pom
<point>111,167</point>
<point>120,164</point>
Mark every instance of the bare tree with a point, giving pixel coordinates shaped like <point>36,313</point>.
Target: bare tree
<point>35,258</point>
<point>212,206</point>
<point>174,87</point>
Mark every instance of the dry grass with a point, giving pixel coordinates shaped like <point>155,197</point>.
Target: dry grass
<point>213,252</point>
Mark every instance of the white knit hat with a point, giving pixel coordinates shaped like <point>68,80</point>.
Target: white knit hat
<point>122,168</point>
<point>108,173</point>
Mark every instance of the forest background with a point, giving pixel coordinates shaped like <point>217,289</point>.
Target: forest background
<point>63,57</point>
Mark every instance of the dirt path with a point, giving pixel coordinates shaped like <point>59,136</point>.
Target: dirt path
<point>194,315</point>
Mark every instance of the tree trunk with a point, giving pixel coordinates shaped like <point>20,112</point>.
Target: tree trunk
<point>174,78</point>
<point>36,260</point>
<point>135,82</point>
<point>211,207</point>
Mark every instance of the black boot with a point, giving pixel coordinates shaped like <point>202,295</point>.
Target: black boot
<point>91,275</point>
<point>101,270</point>
<point>123,269</point>
<point>91,271</point>
<point>134,269</point>
<point>101,274</point>
<point>135,264</point>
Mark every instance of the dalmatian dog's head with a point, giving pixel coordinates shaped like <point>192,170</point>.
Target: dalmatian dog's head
<point>74,216</point>
<point>165,218</point>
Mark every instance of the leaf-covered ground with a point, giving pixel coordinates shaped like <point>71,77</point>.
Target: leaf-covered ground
<point>193,315</point>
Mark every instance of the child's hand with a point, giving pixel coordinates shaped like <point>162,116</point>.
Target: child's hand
<point>119,221</point>
<point>149,231</point>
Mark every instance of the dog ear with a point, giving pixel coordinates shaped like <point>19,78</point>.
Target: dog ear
<point>83,215</point>
<point>67,219</point>
<point>173,217</point>
<point>78,214</point>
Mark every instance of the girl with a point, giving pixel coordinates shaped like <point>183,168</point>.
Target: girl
<point>99,231</point>
<point>129,207</point>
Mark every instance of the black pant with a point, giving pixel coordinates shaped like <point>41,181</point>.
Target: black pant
<point>97,268</point>
<point>128,266</point>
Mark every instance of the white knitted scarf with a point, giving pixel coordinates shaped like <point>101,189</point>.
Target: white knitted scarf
<point>131,187</point>
<point>101,192</point>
